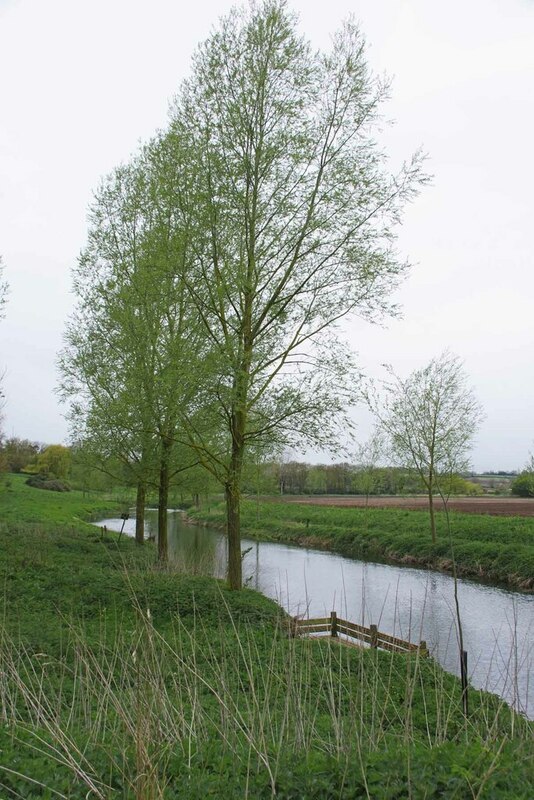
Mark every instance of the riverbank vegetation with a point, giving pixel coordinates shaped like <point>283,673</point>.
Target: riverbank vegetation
<point>499,549</point>
<point>122,679</point>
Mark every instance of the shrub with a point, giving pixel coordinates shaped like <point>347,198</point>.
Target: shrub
<point>42,482</point>
<point>523,485</point>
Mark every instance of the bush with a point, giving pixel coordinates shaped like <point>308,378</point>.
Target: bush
<point>523,485</point>
<point>42,482</point>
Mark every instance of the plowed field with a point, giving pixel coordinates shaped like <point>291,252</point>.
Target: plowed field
<point>496,506</point>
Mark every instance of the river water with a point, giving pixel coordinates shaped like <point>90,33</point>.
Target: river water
<point>414,604</point>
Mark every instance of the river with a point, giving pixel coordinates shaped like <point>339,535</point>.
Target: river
<point>414,604</point>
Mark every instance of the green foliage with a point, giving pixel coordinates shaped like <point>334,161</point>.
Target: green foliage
<point>456,485</point>
<point>18,453</point>
<point>523,485</point>
<point>95,472</point>
<point>53,461</point>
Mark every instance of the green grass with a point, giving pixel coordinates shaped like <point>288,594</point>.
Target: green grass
<point>122,680</point>
<point>22,503</point>
<point>499,549</point>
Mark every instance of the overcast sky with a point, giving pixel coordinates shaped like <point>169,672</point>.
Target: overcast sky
<point>83,81</point>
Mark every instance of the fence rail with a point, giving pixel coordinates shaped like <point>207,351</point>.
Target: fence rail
<point>334,626</point>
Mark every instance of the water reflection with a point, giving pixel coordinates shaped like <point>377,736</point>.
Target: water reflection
<point>414,604</point>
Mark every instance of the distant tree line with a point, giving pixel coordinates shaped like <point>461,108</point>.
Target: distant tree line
<point>302,478</point>
<point>79,466</point>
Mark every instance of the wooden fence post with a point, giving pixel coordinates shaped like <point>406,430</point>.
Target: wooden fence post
<point>374,636</point>
<point>333,623</point>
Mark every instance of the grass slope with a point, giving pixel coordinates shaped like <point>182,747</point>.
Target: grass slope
<point>121,680</point>
<point>500,549</point>
<point>22,503</point>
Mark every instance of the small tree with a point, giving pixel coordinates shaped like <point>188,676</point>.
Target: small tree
<point>431,418</point>
<point>523,485</point>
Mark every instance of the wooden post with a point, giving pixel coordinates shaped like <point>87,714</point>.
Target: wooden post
<point>124,517</point>
<point>463,675</point>
<point>333,623</point>
<point>374,636</point>
<point>293,627</point>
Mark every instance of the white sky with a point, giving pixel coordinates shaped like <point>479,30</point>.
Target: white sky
<point>83,81</point>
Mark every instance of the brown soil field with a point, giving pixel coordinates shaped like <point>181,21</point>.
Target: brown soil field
<point>497,506</point>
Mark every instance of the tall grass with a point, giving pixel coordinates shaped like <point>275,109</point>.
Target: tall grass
<point>217,707</point>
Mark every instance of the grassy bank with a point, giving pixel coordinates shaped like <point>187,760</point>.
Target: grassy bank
<point>499,549</point>
<point>120,680</point>
<point>20,503</point>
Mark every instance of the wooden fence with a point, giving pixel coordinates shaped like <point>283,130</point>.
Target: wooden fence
<point>335,626</point>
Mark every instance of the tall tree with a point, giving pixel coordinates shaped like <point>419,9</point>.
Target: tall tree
<point>431,418</point>
<point>293,219</point>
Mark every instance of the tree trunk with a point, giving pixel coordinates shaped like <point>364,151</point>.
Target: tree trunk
<point>233,498</point>
<point>431,512</point>
<point>233,527</point>
<point>140,513</point>
<point>163,500</point>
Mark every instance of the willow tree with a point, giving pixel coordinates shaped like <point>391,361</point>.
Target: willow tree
<point>130,345</point>
<point>292,225</point>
